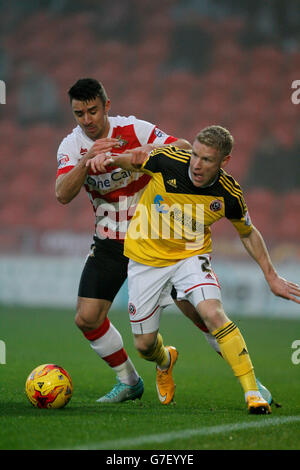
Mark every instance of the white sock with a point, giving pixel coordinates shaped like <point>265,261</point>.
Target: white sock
<point>127,373</point>
<point>212,341</point>
<point>109,346</point>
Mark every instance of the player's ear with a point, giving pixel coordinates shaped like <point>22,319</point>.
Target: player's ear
<point>107,106</point>
<point>225,160</point>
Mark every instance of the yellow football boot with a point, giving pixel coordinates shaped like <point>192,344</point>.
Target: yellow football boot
<point>165,385</point>
<point>257,405</point>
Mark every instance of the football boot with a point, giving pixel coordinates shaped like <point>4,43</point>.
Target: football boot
<point>122,392</point>
<point>258,405</point>
<point>165,385</point>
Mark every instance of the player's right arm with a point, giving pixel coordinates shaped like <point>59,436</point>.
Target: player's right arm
<point>256,247</point>
<point>69,184</point>
<point>255,244</point>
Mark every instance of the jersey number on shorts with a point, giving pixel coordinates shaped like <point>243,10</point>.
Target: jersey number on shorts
<point>205,264</point>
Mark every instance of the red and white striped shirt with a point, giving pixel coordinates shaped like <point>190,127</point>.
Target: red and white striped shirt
<point>115,194</point>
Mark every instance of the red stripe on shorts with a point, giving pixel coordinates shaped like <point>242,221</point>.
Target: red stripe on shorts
<point>152,313</point>
<point>204,284</point>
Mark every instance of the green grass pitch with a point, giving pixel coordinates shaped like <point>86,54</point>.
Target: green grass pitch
<point>207,394</point>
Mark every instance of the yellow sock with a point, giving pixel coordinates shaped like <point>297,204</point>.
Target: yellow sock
<point>233,349</point>
<point>158,353</point>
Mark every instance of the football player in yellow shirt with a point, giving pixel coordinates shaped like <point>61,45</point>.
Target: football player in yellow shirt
<point>168,244</point>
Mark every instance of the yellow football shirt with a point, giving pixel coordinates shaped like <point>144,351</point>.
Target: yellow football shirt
<point>173,218</point>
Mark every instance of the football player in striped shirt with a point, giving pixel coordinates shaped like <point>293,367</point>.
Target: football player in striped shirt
<point>105,269</point>
<point>168,243</point>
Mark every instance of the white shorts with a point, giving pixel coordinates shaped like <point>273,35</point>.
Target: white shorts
<point>149,289</point>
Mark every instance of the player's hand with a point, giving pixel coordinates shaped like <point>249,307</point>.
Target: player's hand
<point>285,289</point>
<point>102,146</point>
<point>139,154</point>
<point>99,163</point>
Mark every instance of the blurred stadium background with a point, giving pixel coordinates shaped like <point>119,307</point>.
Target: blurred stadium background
<point>182,64</point>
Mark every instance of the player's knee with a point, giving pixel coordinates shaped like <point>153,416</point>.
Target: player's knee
<point>212,314</point>
<point>91,313</point>
<point>79,322</point>
<point>86,322</point>
<point>216,319</point>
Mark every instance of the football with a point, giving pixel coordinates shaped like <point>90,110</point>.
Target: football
<point>49,386</point>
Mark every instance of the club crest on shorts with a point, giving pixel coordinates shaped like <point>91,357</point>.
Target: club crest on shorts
<point>216,205</point>
<point>131,309</point>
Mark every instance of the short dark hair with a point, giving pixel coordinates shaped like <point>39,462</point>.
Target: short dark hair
<point>87,89</point>
<point>218,138</point>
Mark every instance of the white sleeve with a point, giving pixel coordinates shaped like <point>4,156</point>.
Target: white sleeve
<point>149,133</point>
<point>67,153</point>
<point>143,130</point>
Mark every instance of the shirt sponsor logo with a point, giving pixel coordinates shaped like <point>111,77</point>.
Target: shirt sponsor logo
<point>106,181</point>
<point>159,206</point>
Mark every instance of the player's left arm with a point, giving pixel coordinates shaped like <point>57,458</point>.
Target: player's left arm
<point>182,144</point>
<point>139,154</point>
<point>179,143</point>
<point>126,160</point>
<point>256,247</point>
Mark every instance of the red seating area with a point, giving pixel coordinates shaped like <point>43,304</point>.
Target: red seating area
<point>245,90</point>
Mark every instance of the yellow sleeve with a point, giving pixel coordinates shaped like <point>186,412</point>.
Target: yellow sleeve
<point>243,225</point>
<point>151,164</point>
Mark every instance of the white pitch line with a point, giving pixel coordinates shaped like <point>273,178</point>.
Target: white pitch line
<point>134,442</point>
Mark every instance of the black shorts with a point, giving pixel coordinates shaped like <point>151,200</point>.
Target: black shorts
<point>174,293</point>
<point>105,270</point>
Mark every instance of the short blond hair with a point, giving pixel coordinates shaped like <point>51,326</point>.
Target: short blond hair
<point>218,138</point>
